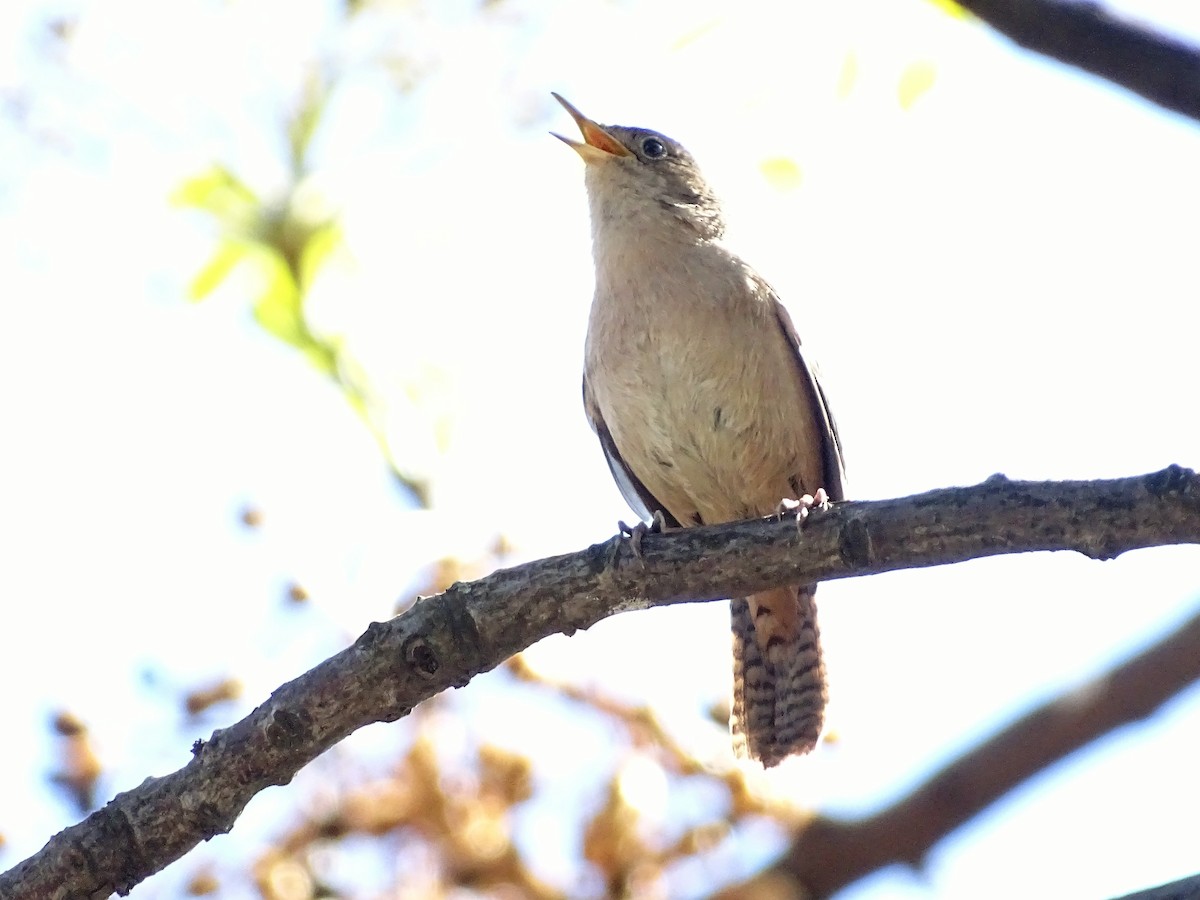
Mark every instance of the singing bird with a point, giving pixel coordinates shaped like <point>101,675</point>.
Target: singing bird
<point>704,403</point>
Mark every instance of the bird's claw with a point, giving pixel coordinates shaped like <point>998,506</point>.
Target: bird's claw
<point>636,533</point>
<point>803,506</point>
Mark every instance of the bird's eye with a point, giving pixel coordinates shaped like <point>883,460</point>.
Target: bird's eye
<point>653,148</point>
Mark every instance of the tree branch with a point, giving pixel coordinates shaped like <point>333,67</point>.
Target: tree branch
<point>1184,889</point>
<point>1162,69</point>
<point>446,640</point>
<point>829,854</point>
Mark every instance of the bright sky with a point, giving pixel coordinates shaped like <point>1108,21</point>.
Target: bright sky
<point>1001,277</point>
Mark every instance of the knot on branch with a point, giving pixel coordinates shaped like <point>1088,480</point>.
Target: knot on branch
<point>285,727</point>
<point>854,543</point>
<point>1173,479</point>
<point>419,655</point>
<point>375,632</point>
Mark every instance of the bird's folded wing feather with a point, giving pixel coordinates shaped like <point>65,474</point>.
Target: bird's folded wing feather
<point>636,494</point>
<point>833,465</point>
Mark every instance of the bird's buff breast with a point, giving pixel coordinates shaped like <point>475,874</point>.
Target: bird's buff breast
<point>702,402</point>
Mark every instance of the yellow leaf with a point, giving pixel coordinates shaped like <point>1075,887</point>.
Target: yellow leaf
<point>324,358</point>
<point>915,81</point>
<point>782,173</point>
<point>229,254</point>
<point>221,193</point>
<point>306,118</point>
<point>322,242</point>
<point>951,8</point>
<point>278,307</point>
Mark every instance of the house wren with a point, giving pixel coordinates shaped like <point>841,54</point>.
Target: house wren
<point>705,405</point>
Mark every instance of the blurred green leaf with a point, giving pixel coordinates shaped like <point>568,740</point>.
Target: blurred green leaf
<point>221,193</point>
<point>324,357</point>
<point>303,123</point>
<point>286,243</point>
<point>914,82</point>
<point>226,258</point>
<point>321,243</point>
<point>277,308</point>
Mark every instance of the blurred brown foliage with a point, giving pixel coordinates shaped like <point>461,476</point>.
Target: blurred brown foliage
<point>79,766</point>
<point>458,820</point>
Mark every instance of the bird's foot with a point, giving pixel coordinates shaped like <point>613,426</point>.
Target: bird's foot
<point>636,533</point>
<point>802,507</point>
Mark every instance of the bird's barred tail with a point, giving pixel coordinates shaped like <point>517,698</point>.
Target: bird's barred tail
<point>778,675</point>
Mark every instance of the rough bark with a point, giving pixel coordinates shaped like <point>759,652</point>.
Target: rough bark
<point>444,641</point>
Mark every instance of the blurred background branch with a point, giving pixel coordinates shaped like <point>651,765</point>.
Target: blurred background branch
<point>1080,33</point>
<point>828,854</point>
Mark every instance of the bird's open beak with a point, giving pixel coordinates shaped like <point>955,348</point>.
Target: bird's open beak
<point>597,144</point>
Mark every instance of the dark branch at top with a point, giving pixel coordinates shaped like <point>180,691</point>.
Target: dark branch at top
<point>1160,68</point>
<point>1184,889</point>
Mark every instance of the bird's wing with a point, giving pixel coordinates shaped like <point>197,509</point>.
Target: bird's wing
<point>636,494</point>
<point>832,462</point>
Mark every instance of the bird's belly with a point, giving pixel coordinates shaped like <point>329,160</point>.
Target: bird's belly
<point>716,440</point>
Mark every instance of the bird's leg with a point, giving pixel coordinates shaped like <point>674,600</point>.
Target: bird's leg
<point>802,507</point>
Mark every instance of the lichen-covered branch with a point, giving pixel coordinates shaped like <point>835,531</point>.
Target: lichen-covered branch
<point>446,640</point>
<point>1160,68</point>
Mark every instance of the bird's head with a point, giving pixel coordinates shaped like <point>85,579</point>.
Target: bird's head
<point>640,177</point>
